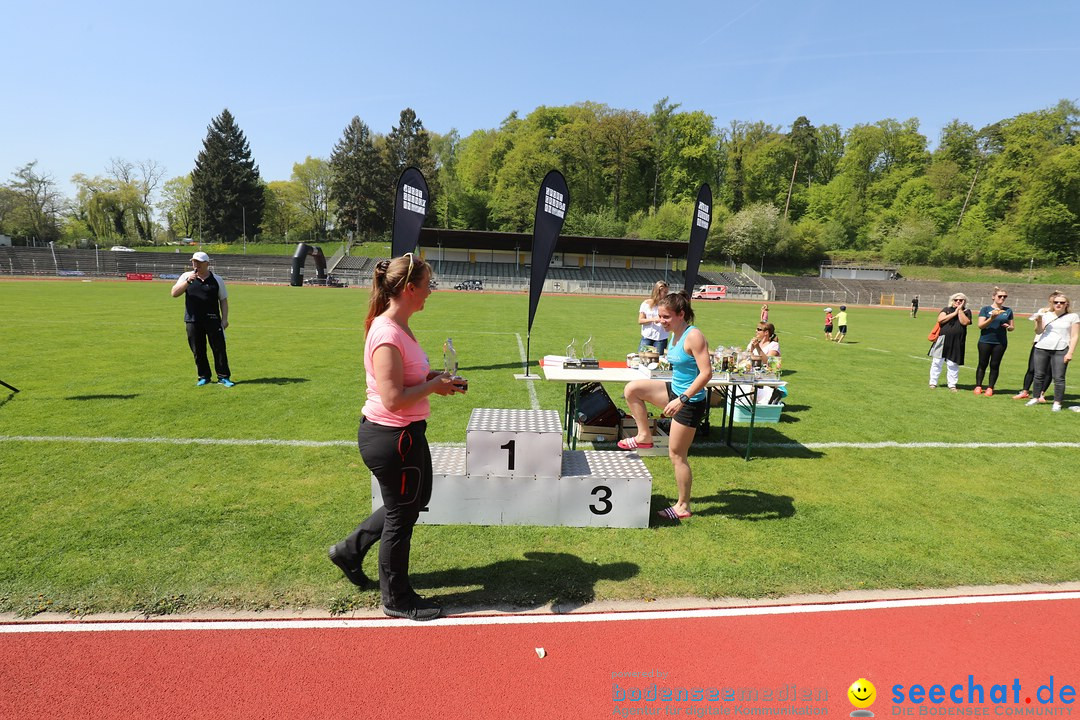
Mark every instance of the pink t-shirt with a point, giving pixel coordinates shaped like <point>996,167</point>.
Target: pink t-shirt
<point>385,331</point>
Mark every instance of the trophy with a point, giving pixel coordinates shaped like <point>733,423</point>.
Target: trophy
<point>450,365</point>
<point>588,360</point>
<point>571,360</point>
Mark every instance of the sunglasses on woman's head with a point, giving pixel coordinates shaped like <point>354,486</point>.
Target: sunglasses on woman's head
<point>409,272</point>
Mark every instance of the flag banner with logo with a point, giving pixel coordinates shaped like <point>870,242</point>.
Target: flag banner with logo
<point>551,206</point>
<point>410,209</point>
<point>699,231</point>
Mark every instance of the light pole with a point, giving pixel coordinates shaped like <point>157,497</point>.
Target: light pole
<point>667,264</point>
<point>594,265</point>
<point>243,215</point>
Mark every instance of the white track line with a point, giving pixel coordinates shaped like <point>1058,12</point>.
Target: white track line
<point>529,619</point>
<point>704,445</point>
<point>349,444</point>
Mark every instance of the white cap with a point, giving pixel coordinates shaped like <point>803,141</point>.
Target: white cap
<point>201,257</point>
<point>826,309</point>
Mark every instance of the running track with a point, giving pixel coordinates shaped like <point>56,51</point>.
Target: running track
<point>488,666</point>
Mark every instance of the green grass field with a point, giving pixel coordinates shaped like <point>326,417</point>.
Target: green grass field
<point>163,527</point>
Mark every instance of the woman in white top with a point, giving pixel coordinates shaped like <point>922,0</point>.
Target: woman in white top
<point>1058,330</point>
<point>653,333</point>
<point>764,343</point>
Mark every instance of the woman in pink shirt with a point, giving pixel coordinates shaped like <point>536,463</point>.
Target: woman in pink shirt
<point>392,436</point>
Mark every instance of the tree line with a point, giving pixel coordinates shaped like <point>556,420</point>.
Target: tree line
<point>1000,195</point>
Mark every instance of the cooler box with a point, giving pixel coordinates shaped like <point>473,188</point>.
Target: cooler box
<point>763,414</point>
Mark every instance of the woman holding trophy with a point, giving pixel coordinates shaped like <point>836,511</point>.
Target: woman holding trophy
<point>392,436</point>
<point>684,399</point>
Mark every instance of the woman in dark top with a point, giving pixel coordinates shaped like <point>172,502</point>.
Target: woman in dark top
<point>948,349</point>
<point>995,324</point>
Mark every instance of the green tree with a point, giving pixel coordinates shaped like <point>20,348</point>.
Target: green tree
<point>313,178</point>
<point>226,190</point>
<point>409,145</point>
<point>361,189</point>
<point>175,206</point>
<point>38,204</point>
<point>284,212</point>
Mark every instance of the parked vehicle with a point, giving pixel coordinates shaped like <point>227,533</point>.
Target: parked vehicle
<point>710,292</point>
<point>121,248</point>
<point>470,285</point>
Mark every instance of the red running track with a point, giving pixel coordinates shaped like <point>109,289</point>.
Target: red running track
<point>467,667</point>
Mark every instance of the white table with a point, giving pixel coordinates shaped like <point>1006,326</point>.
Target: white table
<point>741,391</point>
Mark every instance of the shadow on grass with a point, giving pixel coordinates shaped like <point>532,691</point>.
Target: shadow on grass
<point>272,381</point>
<point>6,400</point>
<point>561,579</point>
<point>742,504</point>
<point>768,442</point>
<point>500,366</point>
<point>102,397</point>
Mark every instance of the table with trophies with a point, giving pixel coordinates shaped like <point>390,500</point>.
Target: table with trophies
<point>742,382</point>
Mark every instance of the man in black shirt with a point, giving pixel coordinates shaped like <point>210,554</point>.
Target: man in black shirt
<point>206,314</point>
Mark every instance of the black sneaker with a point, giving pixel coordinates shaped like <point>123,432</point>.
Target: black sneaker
<point>355,574</point>
<point>421,610</point>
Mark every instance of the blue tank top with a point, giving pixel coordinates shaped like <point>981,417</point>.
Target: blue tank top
<point>684,368</point>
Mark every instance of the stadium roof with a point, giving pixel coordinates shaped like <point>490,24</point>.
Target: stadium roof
<point>486,240</point>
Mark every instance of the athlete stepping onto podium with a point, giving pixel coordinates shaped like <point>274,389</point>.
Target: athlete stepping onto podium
<point>392,436</point>
<point>684,399</point>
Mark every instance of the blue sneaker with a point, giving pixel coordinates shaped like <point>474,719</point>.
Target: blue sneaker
<point>226,382</point>
<point>202,381</point>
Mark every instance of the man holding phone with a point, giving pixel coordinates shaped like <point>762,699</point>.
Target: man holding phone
<point>206,315</point>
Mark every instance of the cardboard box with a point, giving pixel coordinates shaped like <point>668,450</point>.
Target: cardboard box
<point>596,433</point>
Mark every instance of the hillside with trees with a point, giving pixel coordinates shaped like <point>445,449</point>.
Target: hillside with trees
<point>997,196</point>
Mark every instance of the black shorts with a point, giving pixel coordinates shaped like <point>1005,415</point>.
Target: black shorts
<point>691,413</point>
<point>843,329</point>
<point>828,328</point>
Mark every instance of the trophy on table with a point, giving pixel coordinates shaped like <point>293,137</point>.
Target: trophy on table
<point>588,360</point>
<point>571,360</point>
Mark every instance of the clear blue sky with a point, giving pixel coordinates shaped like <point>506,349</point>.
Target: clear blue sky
<point>86,82</point>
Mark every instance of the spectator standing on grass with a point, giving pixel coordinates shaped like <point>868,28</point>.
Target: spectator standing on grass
<point>653,333</point>
<point>392,435</point>
<point>683,399</point>
<point>841,324</point>
<point>828,324</point>
<point>1058,330</point>
<point>995,324</point>
<point>206,315</point>
<point>1029,376</point>
<point>949,347</point>
<point>914,306</point>
<point>764,313</point>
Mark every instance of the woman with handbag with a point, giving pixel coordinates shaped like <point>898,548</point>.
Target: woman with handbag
<point>948,348</point>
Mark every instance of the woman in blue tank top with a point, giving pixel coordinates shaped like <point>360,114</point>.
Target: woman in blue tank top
<point>684,399</point>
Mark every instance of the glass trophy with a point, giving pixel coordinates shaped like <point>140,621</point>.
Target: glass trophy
<point>450,365</point>
<point>571,360</point>
<point>588,355</point>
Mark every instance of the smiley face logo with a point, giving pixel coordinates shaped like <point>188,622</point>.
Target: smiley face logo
<point>862,693</point>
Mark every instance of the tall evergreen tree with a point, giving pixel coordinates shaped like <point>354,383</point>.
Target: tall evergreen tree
<point>409,145</point>
<point>359,182</point>
<point>226,191</point>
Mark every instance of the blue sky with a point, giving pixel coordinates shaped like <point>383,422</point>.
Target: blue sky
<point>86,82</point>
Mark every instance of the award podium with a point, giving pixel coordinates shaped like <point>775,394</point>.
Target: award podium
<point>513,471</point>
